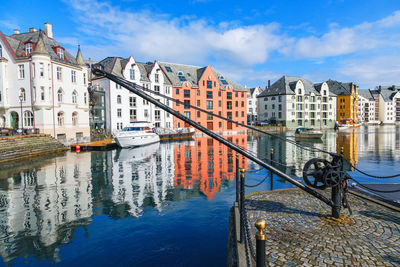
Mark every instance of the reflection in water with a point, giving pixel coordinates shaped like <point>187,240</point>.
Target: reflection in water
<point>42,205</point>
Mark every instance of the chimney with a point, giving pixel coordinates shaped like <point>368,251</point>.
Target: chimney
<point>32,29</point>
<point>48,29</point>
<point>269,83</point>
<point>16,31</point>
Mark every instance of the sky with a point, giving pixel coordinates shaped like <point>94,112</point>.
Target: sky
<point>251,42</point>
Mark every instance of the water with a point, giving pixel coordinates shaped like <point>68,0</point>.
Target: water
<point>161,205</point>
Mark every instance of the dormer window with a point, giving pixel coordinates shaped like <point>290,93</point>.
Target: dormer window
<point>60,53</point>
<point>28,48</point>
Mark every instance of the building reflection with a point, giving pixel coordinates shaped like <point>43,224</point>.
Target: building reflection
<point>290,158</point>
<point>206,163</point>
<point>41,208</point>
<point>348,141</point>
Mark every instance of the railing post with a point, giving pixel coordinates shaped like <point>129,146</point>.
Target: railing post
<point>336,194</point>
<point>237,178</point>
<point>271,156</point>
<point>260,243</point>
<point>241,206</point>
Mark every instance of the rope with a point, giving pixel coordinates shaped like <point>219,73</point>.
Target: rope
<point>375,190</point>
<point>246,185</point>
<point>371,175</point>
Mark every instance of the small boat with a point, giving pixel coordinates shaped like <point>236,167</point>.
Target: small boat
<point>307,133</point>
<point>138,133</point>
<point>348,124</point>
<point>180,133</point>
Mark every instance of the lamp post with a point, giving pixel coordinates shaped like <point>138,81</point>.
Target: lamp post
<point>21,98</point>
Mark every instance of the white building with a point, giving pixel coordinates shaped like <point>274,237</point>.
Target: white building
<point>294,101</point>
<point>387,104</point>
<point>50,84</point>
<point>366,107</point>
<point>122,106</point>
<point>252,109</point>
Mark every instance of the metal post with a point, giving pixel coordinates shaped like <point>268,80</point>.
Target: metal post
<point>260,243</point>
<point>271,156</point>
<point>237,178</point>
<point>336,194</point>
<point>241,206</point>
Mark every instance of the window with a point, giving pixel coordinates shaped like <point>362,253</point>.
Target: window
<point>198,92</point>
<point>41,69</point>
<point>177,91</point>
<point>229,105</point>
<point>21,72</point>
<point>186,93</point>
<point>60,118</point>
<point>181,77</point>
<point>132,101</point>
<point>119,99</point>
<point>60,95</point>
<point>209,94</point>
<point>209,117</point>
<point>236,94</point>
<point>168,68</point>
<point>84,78</point>
<point>85,98</point>
<point>229,95</point>
<point>132,74</point>
<point>280,98</point>
<point>73,76</point>
<point>266,107</point>
<point>209,84</point>
<point>186,104</point>
<point>187,114</point>
<point>28,48</point>
<point>119,113</point>
<point>198,114</point>
<point>23,94</point>
<point>28,118</point>
<point>59,73</point>
<point>157,114</point>
<point>198,103</point>
<point>299,98</point>
<point>279,107</point>
<point>75,118</point>
<point>312,98</point>
<point>146,113</point>
<point>219,103</point>
<point>132,114</point>
<point>237,113</point>
<point>60,53</point>
<point>74,96</point>
<point>209,104</point>
<point>157,88</point>
<point>273,106</point>
<point>242,104</point>
<point>42,93</point>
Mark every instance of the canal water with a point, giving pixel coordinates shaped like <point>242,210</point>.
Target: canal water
<point>161,205</point>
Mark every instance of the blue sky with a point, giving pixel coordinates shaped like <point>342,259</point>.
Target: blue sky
<point>249,41</point>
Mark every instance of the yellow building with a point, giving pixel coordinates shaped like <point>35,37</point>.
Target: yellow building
<point>349,143</point>
<point>347,100</point>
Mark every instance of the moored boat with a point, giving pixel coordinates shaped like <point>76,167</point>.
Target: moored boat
<point>138,133</point>
<point>307,133</point>
<point>180,133</point>
<point>348,124</point>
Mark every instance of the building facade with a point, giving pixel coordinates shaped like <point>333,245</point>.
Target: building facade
<point>252,107</point>
<point>388,102</point>
<point>294,101</point>
<point>347,100</point>
<point>208,89</point>
<point>123,106</point>
<point>42,86</point>
<point>366,107</point>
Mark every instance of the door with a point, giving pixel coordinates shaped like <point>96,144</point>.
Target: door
<point>14,120</point>
<point>229,125</point>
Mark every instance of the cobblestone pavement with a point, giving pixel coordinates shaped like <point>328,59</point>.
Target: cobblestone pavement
<point>301,233</point>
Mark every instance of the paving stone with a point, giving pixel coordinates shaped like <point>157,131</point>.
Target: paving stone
<point>300,231</point>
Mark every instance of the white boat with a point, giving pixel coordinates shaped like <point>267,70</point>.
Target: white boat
<point>308,133</point>
<point>137,154</point>
<point>348,124</point>
<point>138,133</point>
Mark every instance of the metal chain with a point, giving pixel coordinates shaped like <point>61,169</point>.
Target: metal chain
<point>246,185</point>
<point>246,248</point>
<point>248,237</point>
<point>371,175</point>
<point>374,190</point>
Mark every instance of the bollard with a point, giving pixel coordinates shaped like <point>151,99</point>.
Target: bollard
<point>78,149</point>
<point>271,156</point>
<point>241,206</point>
<point>237,178</point>
<point>260,243</point>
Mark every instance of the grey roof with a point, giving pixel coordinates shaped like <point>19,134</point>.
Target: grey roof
<point>115,65</point>
<point>366,93</point>
<point>251,90</point>
<point>318,87</point>
<point>193,74</point>
<point>17,41</point>
<point>40,48</point>
<point>286,86</point>
<point>388,92</point>
<point>79,58</point>
<point>339,88</point>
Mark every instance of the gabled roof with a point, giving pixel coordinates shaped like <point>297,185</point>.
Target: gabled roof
<point>388,92</point>
<point>115,65</point>
<point>286,86</point>
<point>366,93</point>
<point>339,88</point>
<point>221,78</point>
<point>17,44</point>
<point>318,87</point>
<point>252,90</point>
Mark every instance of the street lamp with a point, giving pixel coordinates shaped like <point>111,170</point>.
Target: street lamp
<point>21,98</point>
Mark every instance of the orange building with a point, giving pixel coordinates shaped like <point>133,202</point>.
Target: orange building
<point>207,89</point>
<point>207,163</point>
